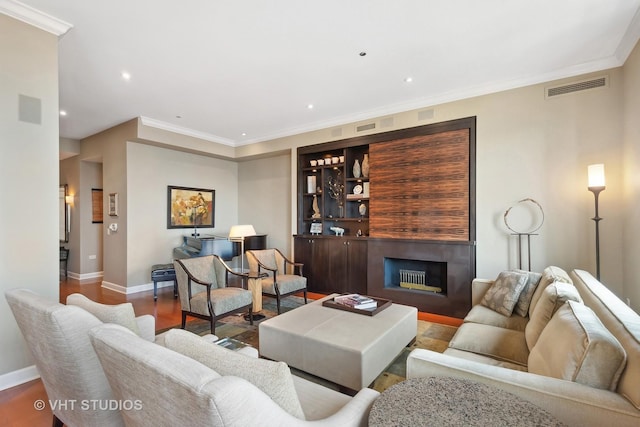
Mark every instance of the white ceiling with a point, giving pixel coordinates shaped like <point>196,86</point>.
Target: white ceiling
<point>233,67</point>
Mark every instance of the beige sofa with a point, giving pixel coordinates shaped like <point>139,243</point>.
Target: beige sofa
<point>579,360</point>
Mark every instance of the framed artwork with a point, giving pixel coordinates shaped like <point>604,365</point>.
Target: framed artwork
<point>190,207</point>
<point>96,206</point>
<point>113,204</point>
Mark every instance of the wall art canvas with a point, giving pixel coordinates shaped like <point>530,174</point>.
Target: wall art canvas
<point>190,207</point>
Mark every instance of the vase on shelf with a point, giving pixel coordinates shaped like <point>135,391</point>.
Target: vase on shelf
<point>356,169</point>
<point>365,166</point>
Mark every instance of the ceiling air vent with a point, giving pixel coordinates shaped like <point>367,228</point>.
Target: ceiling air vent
<point>368,126</point>
<point>577,86</point>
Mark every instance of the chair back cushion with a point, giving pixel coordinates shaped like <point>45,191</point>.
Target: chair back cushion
<point>163,388</point>
<point>266,257</point>
<point>58,337</point>
<point>202,268</point>
<point>273,378</point>
<point>120,314</point>
<point>575,346</point>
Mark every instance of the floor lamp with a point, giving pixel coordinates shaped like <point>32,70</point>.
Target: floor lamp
<point>238,234</point>
<point>596,185</point>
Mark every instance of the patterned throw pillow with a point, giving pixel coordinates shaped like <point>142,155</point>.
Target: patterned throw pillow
<point>524,300</point>
<point>503,295</point>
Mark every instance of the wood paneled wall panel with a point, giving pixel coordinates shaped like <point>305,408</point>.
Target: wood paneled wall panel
<point>420,187</point>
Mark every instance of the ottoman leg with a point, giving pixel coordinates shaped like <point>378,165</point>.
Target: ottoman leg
<point>155,290</point>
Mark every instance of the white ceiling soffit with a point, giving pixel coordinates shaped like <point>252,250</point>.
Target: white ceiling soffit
<point>242,72</point>
<point>32,16</point>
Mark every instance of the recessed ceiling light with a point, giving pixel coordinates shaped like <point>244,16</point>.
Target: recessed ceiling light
<point>243,134</point>
<point>408,79</point>
<point>63,113</point>
<point>178,117</point>
<point>363,53</point>
<point>125,75</point>
<point>310,106</point>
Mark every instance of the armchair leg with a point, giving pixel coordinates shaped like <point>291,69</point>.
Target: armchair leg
<point>184,320</point>
<point>57,422</point>
<point>278,303</point>
<point>305,296</point>
<point>250,316</point>
<point>213,325</point>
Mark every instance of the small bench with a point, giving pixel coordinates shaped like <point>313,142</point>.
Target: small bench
<point>163,273</point>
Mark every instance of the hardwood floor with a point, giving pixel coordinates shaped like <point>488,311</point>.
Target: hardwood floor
<point>17,403</point>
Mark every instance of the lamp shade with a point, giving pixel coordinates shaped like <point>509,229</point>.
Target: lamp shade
<point>596,176</point>
<point>239,231</point>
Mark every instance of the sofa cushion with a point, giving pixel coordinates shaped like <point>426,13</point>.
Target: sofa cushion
<point>491,341</point>
<point>120,314</point>
<point>524,300</point>
<point>273,378</point>
<point>503,295</point>
<point>550,275</point>
<point>576,346</point>
<point>553,297</point>
<point>484,315</point>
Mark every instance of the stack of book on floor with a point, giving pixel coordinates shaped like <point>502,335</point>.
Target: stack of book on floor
<point>356,301</point>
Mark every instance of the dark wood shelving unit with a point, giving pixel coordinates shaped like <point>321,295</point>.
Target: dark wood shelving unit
<point>419,201</point>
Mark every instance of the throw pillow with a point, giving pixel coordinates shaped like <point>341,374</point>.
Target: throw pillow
<point>120,314</point>
<point>273,378</point>
<point>503,295</point>
<point>553,297</point>
<point>575,346</point>
<point>524,300</point>
<point>550,275</point>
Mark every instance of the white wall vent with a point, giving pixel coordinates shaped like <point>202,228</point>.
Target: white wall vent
<point>595,83</point>
<point>426,114</point>
<point>368,126</point>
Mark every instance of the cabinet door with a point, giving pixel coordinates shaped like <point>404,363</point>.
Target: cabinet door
<point>312,253</point>
<point>347,269</point>
<point>357,267</point>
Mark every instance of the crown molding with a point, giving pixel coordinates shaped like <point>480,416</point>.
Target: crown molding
<point>32,16</point>
<point>158,124</point>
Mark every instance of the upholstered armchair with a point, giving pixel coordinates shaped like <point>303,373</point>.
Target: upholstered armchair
<point>58,337</point>
<point>202,385</point>
<point>282,279</point>
<point>204,292</point>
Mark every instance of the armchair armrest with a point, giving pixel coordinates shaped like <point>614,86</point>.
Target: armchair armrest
<point>355,412</point>
<point>478,288</point>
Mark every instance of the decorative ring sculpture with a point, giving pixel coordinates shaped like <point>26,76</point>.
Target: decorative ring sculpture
<point>506,214</point>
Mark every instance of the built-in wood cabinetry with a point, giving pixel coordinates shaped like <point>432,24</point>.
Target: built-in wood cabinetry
<point>419,193</point>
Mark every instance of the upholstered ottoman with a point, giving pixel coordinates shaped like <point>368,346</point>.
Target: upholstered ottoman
<point>346,348</point>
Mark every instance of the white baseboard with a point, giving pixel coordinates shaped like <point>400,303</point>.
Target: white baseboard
<point>21,376</point>
<point>85,276</point>
<point>134,289</point>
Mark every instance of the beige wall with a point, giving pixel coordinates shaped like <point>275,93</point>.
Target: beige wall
<point>631,239</point>
<point>265,198</point>
<point>529,146</point>
<point>28,179</point>
<point>150,171</point>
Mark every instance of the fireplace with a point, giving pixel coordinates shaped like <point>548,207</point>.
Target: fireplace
<point>433,276</point>
<point>426,276</point>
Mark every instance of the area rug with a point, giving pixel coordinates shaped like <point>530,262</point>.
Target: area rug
<point>431,336</point>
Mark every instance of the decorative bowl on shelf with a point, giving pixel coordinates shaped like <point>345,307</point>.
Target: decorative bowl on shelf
<point>313,162</point>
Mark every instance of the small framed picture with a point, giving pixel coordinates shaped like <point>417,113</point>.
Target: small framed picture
<point>113,204</point>
<point>316,228</point>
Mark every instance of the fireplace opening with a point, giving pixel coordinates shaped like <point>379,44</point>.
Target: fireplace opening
<point>409,274</point>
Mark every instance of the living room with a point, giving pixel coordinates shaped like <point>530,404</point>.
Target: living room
<point>528,145</point>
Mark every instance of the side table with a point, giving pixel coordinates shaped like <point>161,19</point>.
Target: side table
<point>445,401</point>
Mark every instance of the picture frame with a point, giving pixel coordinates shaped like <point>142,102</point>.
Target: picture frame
<point>113,204</point>
<point>189,207</point>
<point>97,206</point>
<point>316,228</point>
